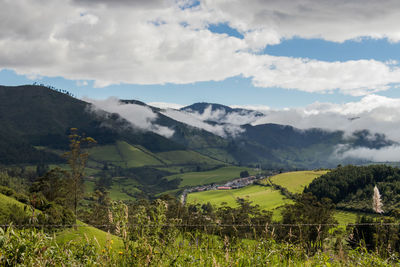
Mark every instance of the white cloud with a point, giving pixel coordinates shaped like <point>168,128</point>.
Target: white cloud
<point>158,42</point>
<point>196,120</point>
<point>221,116</point>
<point>378,114</point>
<point>82,83</point>
<point>330,20</point>
<point>141,117</point>
<point>390,153</point>
<point>357,78</point>
<point>260,108</point>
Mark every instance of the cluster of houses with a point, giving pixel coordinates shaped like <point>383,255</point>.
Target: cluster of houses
<point>238,183</point>
<point>234,184</point>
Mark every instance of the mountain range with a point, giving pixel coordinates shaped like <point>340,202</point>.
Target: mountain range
<point>36,120</point>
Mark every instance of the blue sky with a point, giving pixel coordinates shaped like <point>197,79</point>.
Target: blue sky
<point>232,91</point>
<point>301,56</point>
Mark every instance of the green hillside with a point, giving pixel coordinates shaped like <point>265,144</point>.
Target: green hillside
<point>85,232</point>
<point>82,232</point>
<point>7,201</point>
<point>136,156</point>
<point>37,116</point>
<point>187,157</point>
<point>219,175</point>
<point>125,155</point>
<point>9,207</point>
<point>295,182</point>
<point>105,153</point>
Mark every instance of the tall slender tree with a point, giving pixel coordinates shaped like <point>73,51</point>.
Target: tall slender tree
<point>77,158</point>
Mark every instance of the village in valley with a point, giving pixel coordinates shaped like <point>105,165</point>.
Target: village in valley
<point>234,184</point>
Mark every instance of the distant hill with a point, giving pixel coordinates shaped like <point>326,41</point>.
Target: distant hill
<point>33,117</point>
<point>201,107</point>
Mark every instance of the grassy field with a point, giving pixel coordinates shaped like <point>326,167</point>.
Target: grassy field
<point>83,232</point>
<point>136,156</point>
<point>124,155</point>
<point>105,153</point>
<point>220,175</point>
<point>346,217</point>
<point>218,154</point>
<point>296,181</point>
<point>116,192</point>
<point>266,197</point>
<point>6,202</point>
<point>185,157</point>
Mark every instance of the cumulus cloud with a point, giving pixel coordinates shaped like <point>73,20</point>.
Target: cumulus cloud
<point>141,117</point>
<point>355,77</point>
<point>158,42</point>
<point>329,20</point>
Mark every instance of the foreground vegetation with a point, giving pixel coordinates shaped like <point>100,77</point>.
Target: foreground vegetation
<point>164,233</point>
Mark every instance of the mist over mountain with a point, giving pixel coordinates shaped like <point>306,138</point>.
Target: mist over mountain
<point>36,117</point>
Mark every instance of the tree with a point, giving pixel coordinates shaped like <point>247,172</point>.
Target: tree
<point>54,186</point>
<point>77,159</point>
<point>244,174</point>
<point>307,221</point>
<point>41,169</point>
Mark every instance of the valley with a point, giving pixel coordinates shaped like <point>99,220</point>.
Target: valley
<point>131,186</point>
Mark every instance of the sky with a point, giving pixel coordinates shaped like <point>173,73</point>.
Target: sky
<point>277,54</point>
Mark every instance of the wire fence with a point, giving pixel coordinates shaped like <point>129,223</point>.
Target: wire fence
<point>202,225</point>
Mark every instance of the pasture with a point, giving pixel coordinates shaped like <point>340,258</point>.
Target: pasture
<point>296,181</point>
<point>219,175</point>
<point>266,197</point>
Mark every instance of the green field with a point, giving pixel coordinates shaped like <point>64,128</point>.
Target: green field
<point>220,175</point>
<point>105,153</point>
<point>296,181</point>
<point>124,155</point>
<point>187,157</point>
<point>346,217</point>
<point>219,154</point>
<point>116,192</point>
<point>136,156</point>
<point>266,197</point>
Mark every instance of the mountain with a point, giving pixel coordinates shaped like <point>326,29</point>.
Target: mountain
<point>34,117</point>
<point>220,114</point>
<point>201,107</point>
<point>283,146</point>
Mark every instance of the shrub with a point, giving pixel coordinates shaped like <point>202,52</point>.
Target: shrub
<point>21,198</point>
<point>6,191</point>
